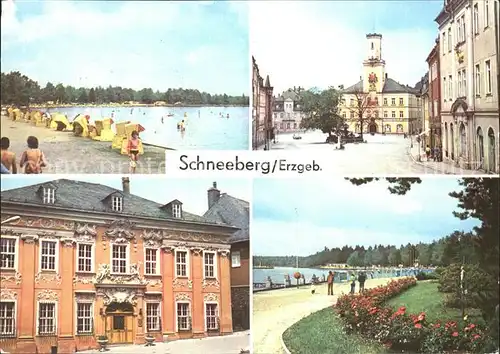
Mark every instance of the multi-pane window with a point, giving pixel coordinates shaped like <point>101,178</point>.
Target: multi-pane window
<point>211,316</point>
<point>401,114</point>
<point>48,258</point>
<point>393,101</point>
<point>46,318</point>
<point>117,203</point>
<point>464,83</point>
<point>478,79</point>
<point>450,87</point>
<point>7,318</point>
<point>84,257</point>
<point>461,29</point>
<point>385,114</point>
<point>401,102</point>
<point>181,263</point>
<point>84,318</point>
<point>183,316</point>
<point>235,259</point>
<point>49,195</point>
<point>486,13</point>
<point>176,211</point>
<point>153,316</point>
<point>151,261</point>
<point>209,264</point>
<point>119,258</point>
<point>385,101</point>
<point>393,114</point>
<point>7,253</point>
<point>450,42</point>
<point>443,42</point>
<point>445,88</point>
<point>487,75</point>
<point>344,114</point>
<point>476,19</point>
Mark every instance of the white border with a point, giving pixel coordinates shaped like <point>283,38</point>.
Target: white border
<point>177,329</point>
<point>56,314</point>
<point>160,309</point>
<point>121,203</point>
<point>16,252</point>
<point>92,257</point>
<point>215,265</point>
<point>57,266</point>
<point>217,314</point>
<point>158,263</point>
<point>239,256</point>
<point>7,335</point>
<point>127,257</point>
<point>93,316</point>
<point>188,263</point>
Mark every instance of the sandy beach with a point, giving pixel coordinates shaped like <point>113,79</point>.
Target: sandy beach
<point>276,310</point>
<point>67,153</point>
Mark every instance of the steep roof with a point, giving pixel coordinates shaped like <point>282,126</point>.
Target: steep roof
<point>357,87</point>
<point>390,86</point>
<point>85,196</point>
<point>231,211</point>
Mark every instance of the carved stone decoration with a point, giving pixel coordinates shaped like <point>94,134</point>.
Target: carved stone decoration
<point>182,297</point>
<point>214,283</point>
<point>8,294</point>
<point>197,251</point>
<point>152,238</point>
<point>29,238</point>
<point>6,278</point>
<point>44,223</point>
<point>194,237</point>
<point>67,242</point>
<point>85,232</point>
<point>83,279</point>
<point>211,297</point>
<point>10,232</point>
<point>182,283</point>
<point>47,294</point>
<point>120,231</point>
<point>47,278</point>
<point>85,297</point>
<point>119,295</point>
<point>104,276</point>
<point>224,252</point>
<point>155,282</point>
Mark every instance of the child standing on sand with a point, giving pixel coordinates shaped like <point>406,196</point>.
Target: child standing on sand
<point>33,159</point>
<point>8,157</point>
<point>133,150</point>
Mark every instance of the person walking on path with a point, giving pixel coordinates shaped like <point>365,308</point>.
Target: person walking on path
<point>362,280</point>
<point>353,283</point>
<point>329,280</point>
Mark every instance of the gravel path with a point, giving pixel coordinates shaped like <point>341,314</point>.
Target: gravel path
<point>67,153</point>
<point>276,310</point>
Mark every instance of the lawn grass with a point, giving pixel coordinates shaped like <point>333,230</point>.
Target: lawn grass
<point>322,332</point>
<point>425,297</point>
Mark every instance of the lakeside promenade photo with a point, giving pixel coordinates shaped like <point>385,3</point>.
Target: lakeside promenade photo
<point>141,98</point>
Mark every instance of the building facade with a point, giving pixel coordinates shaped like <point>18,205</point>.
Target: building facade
<point>288,111</point>
<point>434,98</point>
<point>86,260</point>
<point>233,211</point>
<point>469,83</point>
<point>262,106</point>
<point>386,105</point>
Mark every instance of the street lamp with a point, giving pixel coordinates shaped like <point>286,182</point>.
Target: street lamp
<point>11,219</point>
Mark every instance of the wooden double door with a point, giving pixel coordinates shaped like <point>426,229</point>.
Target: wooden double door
<point>120,325</point>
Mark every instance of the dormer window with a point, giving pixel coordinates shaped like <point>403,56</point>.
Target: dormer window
<point>176,211</point>
<point>117,203</point>
<point>49,195</point>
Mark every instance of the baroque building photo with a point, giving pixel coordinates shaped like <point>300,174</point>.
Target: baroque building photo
<point>82,262</point>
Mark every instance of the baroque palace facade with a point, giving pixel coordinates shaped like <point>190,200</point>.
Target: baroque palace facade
<point>386,105</point>
<point>82,260</point>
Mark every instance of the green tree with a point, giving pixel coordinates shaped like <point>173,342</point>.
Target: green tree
<point>394,257</point>
<point>320,110</point>
<point>355,259</point>
<point>60,93</point>
<point>49,93</point>
<point>91,96</point>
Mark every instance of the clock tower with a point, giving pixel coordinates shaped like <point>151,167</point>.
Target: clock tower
<point>374,65</point>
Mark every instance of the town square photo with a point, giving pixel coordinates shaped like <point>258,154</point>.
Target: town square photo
<point>391,87</point>
<point>109,86</point>
<point>364,265</point>
<point>134,263</point>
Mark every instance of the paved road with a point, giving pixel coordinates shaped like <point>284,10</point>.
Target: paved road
<point>276,310</point>
<point>382,154</point>
<point>231,344</point>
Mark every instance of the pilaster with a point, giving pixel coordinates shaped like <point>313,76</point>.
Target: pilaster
<point>197,310</point>
<point>225,314</point>
<point>168,308</point>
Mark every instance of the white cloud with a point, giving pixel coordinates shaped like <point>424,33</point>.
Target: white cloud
<point>305,238</point>
<point>314,49</point>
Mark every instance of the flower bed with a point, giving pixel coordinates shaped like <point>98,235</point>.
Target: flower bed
<point>398,330</point>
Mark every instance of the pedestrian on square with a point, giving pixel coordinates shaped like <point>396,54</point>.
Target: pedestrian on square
<point>428,152</point>
<point>329,280</point>
<point>353,283</point>
<point>362,280</point>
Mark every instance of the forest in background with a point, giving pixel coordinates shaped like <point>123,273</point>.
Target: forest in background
<point>19,90</point>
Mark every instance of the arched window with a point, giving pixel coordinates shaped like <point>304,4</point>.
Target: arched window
<point>463,140</point>
<point>399,128</point>
<point>452,142</point>
<point>387,128</point>
<point>492,153</point>
<point>480,146</point>
<point>446,139</point>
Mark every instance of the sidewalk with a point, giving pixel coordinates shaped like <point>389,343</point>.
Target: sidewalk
<point>440,167</point>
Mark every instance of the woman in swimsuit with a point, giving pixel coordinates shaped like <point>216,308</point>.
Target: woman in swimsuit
<point>33,159</point>
<point>133,150</point>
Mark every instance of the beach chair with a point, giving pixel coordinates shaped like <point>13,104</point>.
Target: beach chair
<point>17,114</point>
<point>10,112</point>
<point>104,131</point>
<point>129,128</point>
<point>81,126</point>
<point>120,135</point>
<point>60,122</point>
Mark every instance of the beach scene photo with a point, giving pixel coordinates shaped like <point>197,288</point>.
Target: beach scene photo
<point>121,84</point>
<point>389,265</point>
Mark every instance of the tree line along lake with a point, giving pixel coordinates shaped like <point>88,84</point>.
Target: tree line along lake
<point>210,128</point>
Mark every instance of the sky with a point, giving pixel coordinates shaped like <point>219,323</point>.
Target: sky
<point>334,212</point>
<point>133,44</point>
<point>191,192</point>
<point>323,43</point>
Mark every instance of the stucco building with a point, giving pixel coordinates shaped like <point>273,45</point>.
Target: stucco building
<point>85,260</point>
<point>386,105</point>
<point>224,208</point>
<point>288,110</point>
<point>434,98</point>
<point>262,110</point>
<point>469,83</point>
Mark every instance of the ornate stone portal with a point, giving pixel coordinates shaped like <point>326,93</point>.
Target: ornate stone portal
<point>118,295</point>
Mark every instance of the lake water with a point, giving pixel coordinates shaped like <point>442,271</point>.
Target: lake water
<point>278,274</point>
<point>204,130</point>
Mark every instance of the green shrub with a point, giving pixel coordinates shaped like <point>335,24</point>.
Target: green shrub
<point>426,276</point>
